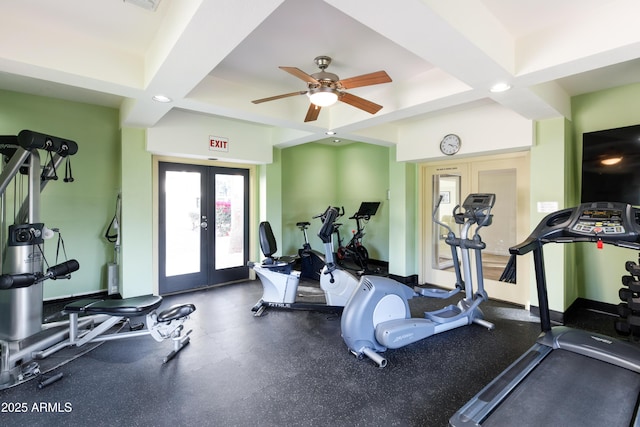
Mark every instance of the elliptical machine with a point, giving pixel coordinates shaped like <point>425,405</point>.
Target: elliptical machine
<point>280,282</point>
<point>378,317</point>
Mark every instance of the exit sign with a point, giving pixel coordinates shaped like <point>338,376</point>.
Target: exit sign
<point>218,143</point>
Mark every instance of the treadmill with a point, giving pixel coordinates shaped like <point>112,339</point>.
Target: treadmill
<point>569,377</point>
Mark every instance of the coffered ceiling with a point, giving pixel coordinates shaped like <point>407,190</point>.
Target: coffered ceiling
<point>214,57</point>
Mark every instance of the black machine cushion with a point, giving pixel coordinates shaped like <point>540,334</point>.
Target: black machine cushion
<point>177,311</point>
<point>269,247</point>
<point>267,239</point>
<point>116,307</point>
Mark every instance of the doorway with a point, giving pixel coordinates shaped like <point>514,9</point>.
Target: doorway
<point>203,231</point>
<point>450,182</point>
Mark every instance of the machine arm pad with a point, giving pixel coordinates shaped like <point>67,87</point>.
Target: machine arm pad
<point>63,269</point>
<point>22,280</point>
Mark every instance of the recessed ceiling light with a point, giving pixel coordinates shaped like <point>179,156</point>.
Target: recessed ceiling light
<point>336,140</point>
<point>500,87</point>
<point>330,132</point>
<point>161,98</point>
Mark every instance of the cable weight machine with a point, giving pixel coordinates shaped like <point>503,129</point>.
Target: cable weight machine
<point>21,307</point>
<point>24,339</point>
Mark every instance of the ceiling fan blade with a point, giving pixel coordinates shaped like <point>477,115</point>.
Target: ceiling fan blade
<point>300,74</point>
<point>361,103</point>
<point>286,95</point>
<point>312,113</point>
<point>366,80</point>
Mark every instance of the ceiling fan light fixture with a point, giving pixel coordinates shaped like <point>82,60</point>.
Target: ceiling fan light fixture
<point>323,96</point>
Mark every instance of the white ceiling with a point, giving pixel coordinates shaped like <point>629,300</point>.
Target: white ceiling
<point>215,56</point>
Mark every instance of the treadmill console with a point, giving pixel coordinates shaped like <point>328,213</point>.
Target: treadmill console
<point>600,221</point>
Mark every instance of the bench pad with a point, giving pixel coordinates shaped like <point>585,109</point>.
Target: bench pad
<point>116,307</point>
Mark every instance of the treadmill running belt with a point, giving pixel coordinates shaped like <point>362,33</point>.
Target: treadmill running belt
<point>568,389</point>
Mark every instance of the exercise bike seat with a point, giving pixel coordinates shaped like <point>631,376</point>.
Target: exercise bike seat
<point>304,224</point>
<point>177,311</point>
<point>116,307</point>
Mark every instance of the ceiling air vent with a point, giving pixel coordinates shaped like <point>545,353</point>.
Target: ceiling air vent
<point>145,4</point>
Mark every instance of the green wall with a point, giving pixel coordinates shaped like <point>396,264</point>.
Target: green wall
<point>83,209</point>
<point>136,261</point>
<point>315,176</point>
<point>599,271</point>
<point>300,183</point>
<point>403,217</point>
<point>549,155</point>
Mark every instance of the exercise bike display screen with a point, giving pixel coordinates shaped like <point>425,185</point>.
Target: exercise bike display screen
<point>600,221</point>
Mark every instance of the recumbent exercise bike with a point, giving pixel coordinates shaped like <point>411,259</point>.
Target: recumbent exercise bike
<point>280,282</point>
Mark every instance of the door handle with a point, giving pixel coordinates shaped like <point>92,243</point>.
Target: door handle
<point>204,225</point>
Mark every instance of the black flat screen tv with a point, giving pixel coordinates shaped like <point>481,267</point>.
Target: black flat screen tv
<point>611,165</point>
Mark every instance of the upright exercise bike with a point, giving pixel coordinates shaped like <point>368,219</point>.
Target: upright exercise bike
<point>354,249</point>
<point>280,281</point>
<point>311,261</point>
<point>378,316</point>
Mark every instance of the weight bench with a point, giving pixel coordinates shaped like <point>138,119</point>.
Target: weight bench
<point>104,314</point>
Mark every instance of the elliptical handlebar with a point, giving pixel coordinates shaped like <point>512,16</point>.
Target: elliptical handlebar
<point>435,216</point>
<point>476,209</point>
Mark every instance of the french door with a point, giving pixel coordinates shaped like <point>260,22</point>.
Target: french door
<point>507,177</point>
<point>203,226</point>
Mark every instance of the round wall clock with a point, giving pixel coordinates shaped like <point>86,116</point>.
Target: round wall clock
<point>450,144</point>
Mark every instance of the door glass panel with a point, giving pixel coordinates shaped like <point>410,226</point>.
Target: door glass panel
<point>447,187</point>
<point>502,234</point>
<point>229,220</point>
<point>182,230</point>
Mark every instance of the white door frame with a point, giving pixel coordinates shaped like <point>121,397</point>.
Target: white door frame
<point>468,169</point>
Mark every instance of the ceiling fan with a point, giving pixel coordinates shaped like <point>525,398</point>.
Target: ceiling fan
<point>324,88</point>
